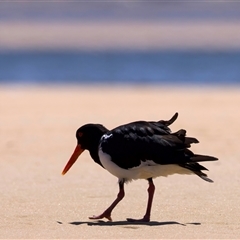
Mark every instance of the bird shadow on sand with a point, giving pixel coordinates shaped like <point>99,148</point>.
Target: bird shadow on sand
<point>126,223</point>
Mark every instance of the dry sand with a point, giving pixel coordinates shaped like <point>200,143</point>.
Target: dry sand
<point>121,35</point>
<point>37,136</point>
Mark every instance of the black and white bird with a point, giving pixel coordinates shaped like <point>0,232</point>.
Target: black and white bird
<point>139,150</point>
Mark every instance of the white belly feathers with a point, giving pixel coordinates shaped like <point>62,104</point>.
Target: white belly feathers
<point>147,169</point>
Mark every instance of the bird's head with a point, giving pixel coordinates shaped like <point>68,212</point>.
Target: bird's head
<point>88,137</point>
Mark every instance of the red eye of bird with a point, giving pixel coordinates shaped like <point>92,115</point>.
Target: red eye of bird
<point>80,134</point>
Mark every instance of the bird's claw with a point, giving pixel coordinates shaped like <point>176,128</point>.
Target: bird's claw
<point>103,215</point>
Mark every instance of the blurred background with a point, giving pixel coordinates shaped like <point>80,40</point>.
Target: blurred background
<point>120,42</point>
<point>67,63</point>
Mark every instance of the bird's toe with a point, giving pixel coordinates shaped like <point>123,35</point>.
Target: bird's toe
<point>101,216</point>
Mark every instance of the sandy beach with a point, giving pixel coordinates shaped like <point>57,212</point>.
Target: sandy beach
<point>120,35</point>
<point>37,137</point>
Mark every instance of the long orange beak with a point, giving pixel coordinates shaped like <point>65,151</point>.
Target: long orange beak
<point>77,152</point>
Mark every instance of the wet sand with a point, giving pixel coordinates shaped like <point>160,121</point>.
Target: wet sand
<point>37,137</point>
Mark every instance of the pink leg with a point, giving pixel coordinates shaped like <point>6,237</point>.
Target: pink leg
<point>146,218</point>
<point>108,211</point>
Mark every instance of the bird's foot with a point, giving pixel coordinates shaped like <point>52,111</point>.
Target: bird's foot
<point>144,219</point>
<point>101,216</point>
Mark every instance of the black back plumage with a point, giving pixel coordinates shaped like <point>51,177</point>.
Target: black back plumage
<point>132,143</point>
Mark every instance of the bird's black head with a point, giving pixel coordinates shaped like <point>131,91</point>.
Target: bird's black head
<point>88,137</point>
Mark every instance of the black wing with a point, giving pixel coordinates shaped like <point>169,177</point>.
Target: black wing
<point>132,143</point>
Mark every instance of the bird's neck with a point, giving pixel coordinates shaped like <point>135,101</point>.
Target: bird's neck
<point>93,150</point>
<point>94,155</point>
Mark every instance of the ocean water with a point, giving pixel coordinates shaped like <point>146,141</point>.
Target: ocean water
<point>156,67</point>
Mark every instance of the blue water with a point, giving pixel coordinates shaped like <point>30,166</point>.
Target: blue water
<point>160,67</point>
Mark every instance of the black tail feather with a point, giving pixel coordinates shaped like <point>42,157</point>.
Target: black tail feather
<point>202,158</point>
<point>204,176</point>
<point>193,165</point>
<point>190,140</point>
<point>170,121</point>
<point>197,169</point>
<point>181,134</point>
<point>192,159</point>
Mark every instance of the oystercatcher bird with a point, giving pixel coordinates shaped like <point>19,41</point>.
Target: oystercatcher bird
<point>139,150</point>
